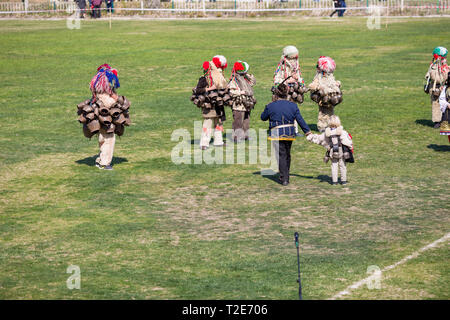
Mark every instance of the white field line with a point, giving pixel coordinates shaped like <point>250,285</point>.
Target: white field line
<point>358,284</point>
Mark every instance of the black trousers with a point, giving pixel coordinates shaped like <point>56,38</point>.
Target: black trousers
<point>284,159</point>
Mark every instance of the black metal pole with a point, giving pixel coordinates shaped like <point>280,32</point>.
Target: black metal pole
<point>298,263</point>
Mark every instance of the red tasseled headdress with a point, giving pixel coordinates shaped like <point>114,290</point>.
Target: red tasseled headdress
<point>105,65</point>
<point>326,64</point>
<point>238,67</point>
<point>216,62</point>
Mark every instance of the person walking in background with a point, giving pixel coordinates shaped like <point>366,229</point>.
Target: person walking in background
<point>109,5</point>
<point>336,7</point>
<point>342,5</point>
<point>281,114</point>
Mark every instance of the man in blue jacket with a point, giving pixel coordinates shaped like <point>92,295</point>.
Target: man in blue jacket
<point>281,114</point>
<point>342,6</point>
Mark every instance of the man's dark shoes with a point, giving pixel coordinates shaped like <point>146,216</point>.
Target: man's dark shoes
<point>437,125</point>
<point>285,183</point>
<point>108,167</point>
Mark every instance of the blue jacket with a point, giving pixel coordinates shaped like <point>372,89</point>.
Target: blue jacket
<point>283,113</point>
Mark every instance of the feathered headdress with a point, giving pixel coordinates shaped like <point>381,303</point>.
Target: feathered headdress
<point>105,81</point>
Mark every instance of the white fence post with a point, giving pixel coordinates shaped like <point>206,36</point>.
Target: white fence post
<point>142,7</point>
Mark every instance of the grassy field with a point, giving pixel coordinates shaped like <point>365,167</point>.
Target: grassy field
<point>151,229</point>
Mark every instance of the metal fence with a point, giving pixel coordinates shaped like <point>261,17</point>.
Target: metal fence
<point>308,7</point>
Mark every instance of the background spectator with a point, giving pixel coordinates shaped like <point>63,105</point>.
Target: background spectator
<point>109,6</point>
<point>336,6</point>
<point>96,10</point>
<point>342,5</point>
<point>82,5</point>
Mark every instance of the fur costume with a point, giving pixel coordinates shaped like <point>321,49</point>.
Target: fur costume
<point>211,95</point>
<point>325,90</point>
<point>436,77</point>
<point>105,113</point>
<point>211,101</point>
<point>241,88</point>
<point>339,145</point>
<point>105,110</point>
<point>242,99</point>
<point>288,72</point>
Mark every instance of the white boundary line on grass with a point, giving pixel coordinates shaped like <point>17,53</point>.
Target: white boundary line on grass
<point>358,284</point>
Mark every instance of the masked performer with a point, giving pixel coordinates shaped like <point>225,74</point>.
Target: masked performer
<point>435,79</point>
<point>242,100</point>
<point>339,145</point>
<point>288,72</point>
<point>325,90</point>
<point>105,113</point>
<point>209,96</point>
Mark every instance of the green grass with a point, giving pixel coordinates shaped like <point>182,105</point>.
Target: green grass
<point>151,229</point>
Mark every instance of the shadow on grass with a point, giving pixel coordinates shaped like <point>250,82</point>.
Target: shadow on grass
<point>275,176</point>
<point>425,123</point>
<point>439,148</point>
<point>321,178</point>
<point>90,161</point>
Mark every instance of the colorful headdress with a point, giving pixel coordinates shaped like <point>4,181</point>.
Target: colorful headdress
<point>106,80</point>
<point>220,62</point>
<point>326,64</point>
<point>440,52</point>
<point>104,66</point>
<point>240,67</point>
<point>289,58</point>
